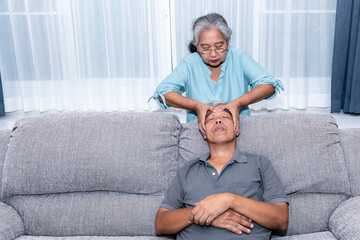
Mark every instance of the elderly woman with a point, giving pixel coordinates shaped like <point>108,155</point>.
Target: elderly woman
<point>214,71</point>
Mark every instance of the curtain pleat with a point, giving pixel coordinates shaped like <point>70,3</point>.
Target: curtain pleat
<point>345,90</point>
<point>2,105</point>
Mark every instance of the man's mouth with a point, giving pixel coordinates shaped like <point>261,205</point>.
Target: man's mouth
<point>219,129</point>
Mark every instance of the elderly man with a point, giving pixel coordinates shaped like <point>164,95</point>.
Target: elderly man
<point>224,194</point>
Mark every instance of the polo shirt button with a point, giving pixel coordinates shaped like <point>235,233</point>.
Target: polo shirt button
<point>213,173</point>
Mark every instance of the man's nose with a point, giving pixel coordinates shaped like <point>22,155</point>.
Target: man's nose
<point>218,122</point>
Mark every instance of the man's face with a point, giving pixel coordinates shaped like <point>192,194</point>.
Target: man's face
<point>219,126</point>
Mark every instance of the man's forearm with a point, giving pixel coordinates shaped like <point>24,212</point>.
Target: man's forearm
<point>272,216</point>
<point>172,221</point>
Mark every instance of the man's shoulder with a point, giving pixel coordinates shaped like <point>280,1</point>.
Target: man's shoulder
<point>257,158</point>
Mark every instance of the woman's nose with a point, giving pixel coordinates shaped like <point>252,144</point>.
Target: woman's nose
<point>218,121</point>
<point>213,52</point>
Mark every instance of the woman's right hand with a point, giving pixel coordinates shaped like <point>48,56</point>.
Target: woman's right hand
<point>201,110</point>
<point>174,99</point>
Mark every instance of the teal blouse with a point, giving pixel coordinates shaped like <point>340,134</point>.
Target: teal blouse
<point>238,72</point>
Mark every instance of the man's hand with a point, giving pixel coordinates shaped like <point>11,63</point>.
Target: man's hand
<point>234,108</point>
<point>205,211</point>
<point>233,221</point>
<point>201,110</point>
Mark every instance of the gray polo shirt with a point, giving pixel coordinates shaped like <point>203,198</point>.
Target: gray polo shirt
<point>248,175</point>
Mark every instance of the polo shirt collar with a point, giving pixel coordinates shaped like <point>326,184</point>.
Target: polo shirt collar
<point>238,157</point>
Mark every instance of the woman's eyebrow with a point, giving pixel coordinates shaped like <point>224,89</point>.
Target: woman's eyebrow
<point>206,44</point>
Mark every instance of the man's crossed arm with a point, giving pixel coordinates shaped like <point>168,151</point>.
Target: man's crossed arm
<point>224,210</point>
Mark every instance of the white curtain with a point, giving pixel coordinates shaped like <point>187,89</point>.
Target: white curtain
<point>292,39</point>
<point>109,55</point>
<point>97,55</point>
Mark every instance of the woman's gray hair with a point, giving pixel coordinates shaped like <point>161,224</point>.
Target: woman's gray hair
<point>205,23</point>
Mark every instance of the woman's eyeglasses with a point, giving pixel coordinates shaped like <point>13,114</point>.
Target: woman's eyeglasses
<point>218,50</point>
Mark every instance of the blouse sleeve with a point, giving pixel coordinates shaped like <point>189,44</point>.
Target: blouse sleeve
<point>256,75</point>
<point>176,81</point>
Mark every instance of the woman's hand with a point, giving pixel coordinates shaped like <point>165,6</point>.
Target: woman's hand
<point>201,110</point>
<point>234,108</point>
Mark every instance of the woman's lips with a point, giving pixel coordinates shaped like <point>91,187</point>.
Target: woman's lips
<point>214,61</point>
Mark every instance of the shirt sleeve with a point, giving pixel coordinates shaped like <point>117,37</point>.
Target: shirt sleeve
<point>176,81</point>
<point>174,195</point>
<point>256,75</point>
<point>273,190</point>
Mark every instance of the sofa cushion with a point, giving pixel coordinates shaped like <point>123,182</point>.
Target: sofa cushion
<point>310,212</point>
<point>327,235</point>
<point>304,149</point>
<point>79,151</point>
<point>345,221</point>
<point>94,238</point>
<point>350,141</point>
<point>88,214</point>
<point>11,225</point>
<point>4,140</point>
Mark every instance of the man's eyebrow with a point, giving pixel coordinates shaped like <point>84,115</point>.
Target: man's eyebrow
<point>228,111</point>
<point>208,113</point>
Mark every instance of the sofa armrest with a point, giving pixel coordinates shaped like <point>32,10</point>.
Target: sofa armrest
<point>11,224</point>
<point>345,222</point>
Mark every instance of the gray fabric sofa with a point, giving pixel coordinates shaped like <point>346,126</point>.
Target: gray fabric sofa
<point>103,175</point>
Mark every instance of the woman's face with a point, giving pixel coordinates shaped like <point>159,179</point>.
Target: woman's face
<point>214,41</point>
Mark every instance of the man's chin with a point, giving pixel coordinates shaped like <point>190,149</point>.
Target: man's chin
<point>222,139</point>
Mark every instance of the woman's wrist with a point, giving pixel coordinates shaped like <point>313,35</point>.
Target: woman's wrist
<point>197,106</point>
<point>239,102</point>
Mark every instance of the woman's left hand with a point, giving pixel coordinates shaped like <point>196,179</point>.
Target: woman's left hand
<point>234,108</point>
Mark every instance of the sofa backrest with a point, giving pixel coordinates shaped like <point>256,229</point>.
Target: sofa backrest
<point>90,173</point>
<point>350,141</point>
<point>4,140</point>
<point>306,153</point>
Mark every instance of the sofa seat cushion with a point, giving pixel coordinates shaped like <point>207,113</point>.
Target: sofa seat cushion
<point>78,151</point>
<point>93,238</point>
<point>11,225</point>
<point>310,212</point>
<point>304,149</point>
<point>88,214</point>
<point>345,221</point>
<point>327,235</point>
